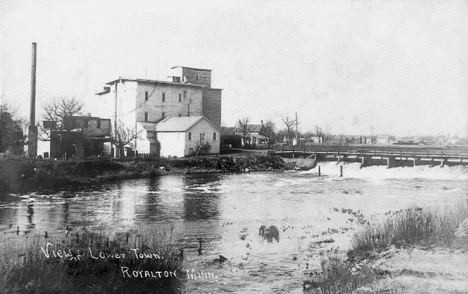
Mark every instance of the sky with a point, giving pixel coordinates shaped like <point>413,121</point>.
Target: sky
<point>351,67</point>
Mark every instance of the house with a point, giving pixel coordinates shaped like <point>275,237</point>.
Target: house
<point>185,136</point>
<point>254,134</point>
<point>139,104</point>
<point>78,137</point>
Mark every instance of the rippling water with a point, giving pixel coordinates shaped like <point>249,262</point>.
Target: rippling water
<point>225,211</point>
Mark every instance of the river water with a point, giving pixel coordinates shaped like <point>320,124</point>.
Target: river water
<point>225,211</point>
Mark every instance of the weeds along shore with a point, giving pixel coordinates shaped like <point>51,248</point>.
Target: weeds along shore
<point>21,175</point>
<point>84,262</point>
<point>363,269</point>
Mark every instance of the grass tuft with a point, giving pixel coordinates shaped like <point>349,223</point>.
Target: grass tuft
<point>412,226</point>
<point>26,268</point>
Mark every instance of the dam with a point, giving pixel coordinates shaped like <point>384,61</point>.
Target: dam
<point>368,155</point>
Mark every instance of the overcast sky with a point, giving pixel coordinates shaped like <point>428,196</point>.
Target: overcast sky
<point>352,67</point>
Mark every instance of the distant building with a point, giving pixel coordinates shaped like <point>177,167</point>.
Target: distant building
<point>255,134</point>
<point>385,139</point>
<point>81,136</point>
<point>184,136</point>
<point>139,104</point>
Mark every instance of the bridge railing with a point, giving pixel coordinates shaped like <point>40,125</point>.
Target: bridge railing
<point>398,150</point>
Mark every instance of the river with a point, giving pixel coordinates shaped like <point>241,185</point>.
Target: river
<point>225,211</point>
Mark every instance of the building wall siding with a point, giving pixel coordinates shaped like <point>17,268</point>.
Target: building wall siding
<point>93,131</point>
<point>202,127</point>
<point>192,104</point>
<point>172,144</point>
<point>204,76</point>
<point>212,106</point>
<point>126,105</point>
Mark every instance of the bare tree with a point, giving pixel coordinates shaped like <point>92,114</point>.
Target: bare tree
<point>320,134</point>
<point>269,130</point>
<point>289,127</point>
<point>59,121</point>
<point>121,137</point>
<point>244,128</point>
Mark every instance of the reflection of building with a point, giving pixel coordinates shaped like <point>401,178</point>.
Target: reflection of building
<point>182,136</point>
<point>79,136</point>
<point>139,104</point>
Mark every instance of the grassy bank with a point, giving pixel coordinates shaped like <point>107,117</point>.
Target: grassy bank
<point>84,262</point>
<point>382,256</point>
<point>20,175</point>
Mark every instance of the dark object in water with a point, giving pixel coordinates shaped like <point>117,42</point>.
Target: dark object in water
<point>222,258</point>
<point>219,260</point>
<point>269,233</point>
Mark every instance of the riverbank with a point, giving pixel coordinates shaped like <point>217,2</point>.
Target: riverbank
<point>21,175</point>
<point>412,251</point>
<point>87,262</point>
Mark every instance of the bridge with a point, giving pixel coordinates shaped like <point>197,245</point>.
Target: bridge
<point>389,155</point>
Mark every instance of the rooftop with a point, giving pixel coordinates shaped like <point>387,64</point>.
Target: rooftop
<point>191,68</point>
<point>154,82</point>
<point>179,124</point>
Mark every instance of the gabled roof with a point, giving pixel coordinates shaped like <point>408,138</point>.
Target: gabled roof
<point>250,128</point>
<point>228,130</point>
<point>254,128</point>
<point>180,124</point>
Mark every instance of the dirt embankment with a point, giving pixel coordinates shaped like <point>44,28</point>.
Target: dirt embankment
<point>19,175</point>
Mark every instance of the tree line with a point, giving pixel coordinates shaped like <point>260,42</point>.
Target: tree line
<point>286,133</point>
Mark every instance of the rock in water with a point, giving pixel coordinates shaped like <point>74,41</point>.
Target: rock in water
<point>269,233</point>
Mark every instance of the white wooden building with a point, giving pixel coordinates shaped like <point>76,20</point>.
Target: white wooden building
<point>185,136</point>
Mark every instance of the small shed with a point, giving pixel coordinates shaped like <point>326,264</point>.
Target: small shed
<point>185,136</point>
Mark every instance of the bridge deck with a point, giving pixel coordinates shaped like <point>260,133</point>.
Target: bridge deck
<point>419,152</point>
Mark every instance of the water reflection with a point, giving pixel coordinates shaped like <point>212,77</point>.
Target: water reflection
<point>152,205</point>
<point>200,201</point>
<point>225,212</point>
<point>30,213</point>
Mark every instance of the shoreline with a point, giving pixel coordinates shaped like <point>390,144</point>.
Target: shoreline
<point>23,175</point>
<point>415,250</point>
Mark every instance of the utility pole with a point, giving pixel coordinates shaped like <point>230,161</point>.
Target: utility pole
<point>32,136</point>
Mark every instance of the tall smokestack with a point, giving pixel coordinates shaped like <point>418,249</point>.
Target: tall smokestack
<point>32,138</point>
